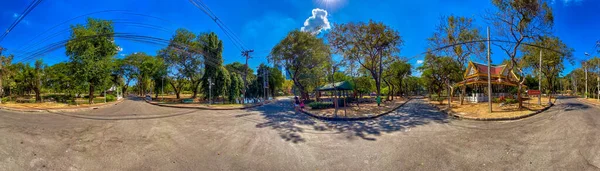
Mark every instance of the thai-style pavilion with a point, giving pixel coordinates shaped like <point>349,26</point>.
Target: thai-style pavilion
<point>476,81</point>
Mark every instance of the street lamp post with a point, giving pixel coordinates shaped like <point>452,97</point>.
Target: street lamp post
<point>209,91</point>
<point>488,71</point>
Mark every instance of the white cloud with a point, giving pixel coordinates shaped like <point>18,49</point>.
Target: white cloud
<point>119,48</point>
<point>419,61</point>
<point>122,55</point>
<point>317,22</point>
<point>15,15</point>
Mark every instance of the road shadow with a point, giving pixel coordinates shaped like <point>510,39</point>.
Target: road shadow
<point>569,106</point>
<point>291,125</point>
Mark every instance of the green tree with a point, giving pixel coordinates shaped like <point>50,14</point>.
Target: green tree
<point>60,79</point>
<point>396,73</point>
<point>276,80</point>
<point>552,60</point>
<point>235,87</point>
<point>29,78</point>
<point>303,55</point>
<point>184,58</point>
<point>212,47</point>
<point>91,49</point>
<point>369,44</point>
<point>454,31</point>
<point>439,72</point>
<point>238,68</point>
<point>520,21</point>
<point>5,72</point>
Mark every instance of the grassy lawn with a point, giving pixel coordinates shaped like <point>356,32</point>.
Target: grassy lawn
<point>480,110</point>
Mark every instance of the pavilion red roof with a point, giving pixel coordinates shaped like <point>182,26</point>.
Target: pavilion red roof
<point>483,69</point>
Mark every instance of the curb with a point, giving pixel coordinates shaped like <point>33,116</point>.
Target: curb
<point>453,114</point>
<point>208,108</point>
<point>61,109</point>
<point>354,119</point>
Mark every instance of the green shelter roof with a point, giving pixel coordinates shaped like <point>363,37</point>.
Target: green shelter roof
<point>344,85</point>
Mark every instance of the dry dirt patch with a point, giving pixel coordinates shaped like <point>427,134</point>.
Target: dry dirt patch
<point>480,110</point>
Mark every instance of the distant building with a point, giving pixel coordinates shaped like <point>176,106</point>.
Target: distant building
<point>476,81</point>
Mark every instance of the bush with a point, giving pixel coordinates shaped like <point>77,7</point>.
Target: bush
<point>438,98</point>
<point>511,101</point>
<point>321,105</point>
<point>110,98</point>
<point>62,98</point>
<point>5,99</point>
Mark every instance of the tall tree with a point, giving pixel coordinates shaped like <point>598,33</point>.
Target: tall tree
<point>399,70</point>
<point>552,58</point>
<point>367,43</point>
<point>5,62</point>
<point>91,50</point>
<point>235,87</point>
<point>520,21</point>
<point>212,47</point>
<point>440,72</point>
<point>303,55</point>
<point>453,32</point>
<point>276,80</point>
<point>184,58</point>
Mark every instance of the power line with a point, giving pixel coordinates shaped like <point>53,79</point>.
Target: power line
<point>23,15</point>
<point>230,34</point>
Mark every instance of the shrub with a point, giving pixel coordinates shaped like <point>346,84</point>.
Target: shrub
<point>110,98</point>
<point>511,101</point>
<point>5,99</point>
<point>438,98</point>
<point>321,105</point>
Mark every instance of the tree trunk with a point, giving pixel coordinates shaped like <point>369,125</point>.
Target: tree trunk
<point>519,97</point>
<point>38,97</point>
<point>177,90</point>
<point>463,92</point>
<point>124,89</point>
<point>91,98</point>
<point>195,89</point>
<point>389,91</point>
<point>378,85</point>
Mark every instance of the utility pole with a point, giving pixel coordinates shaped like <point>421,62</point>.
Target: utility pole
<point>586,79</point>
<point>1,65</point>
<point>488,71</point>
<point>246,53</point>
<point>540,82</point>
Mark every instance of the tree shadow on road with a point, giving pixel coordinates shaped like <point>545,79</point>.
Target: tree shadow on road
<point>573,106</point>
<point>291,125</point>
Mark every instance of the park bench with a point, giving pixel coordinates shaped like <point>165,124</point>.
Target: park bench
<point>188,101</point>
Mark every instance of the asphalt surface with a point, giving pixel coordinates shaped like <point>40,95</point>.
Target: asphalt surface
<point>273,137</point>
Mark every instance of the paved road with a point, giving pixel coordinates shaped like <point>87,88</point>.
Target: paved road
<point>416,137</point>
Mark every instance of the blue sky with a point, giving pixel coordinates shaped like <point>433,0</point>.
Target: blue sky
<point>260,24</point>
